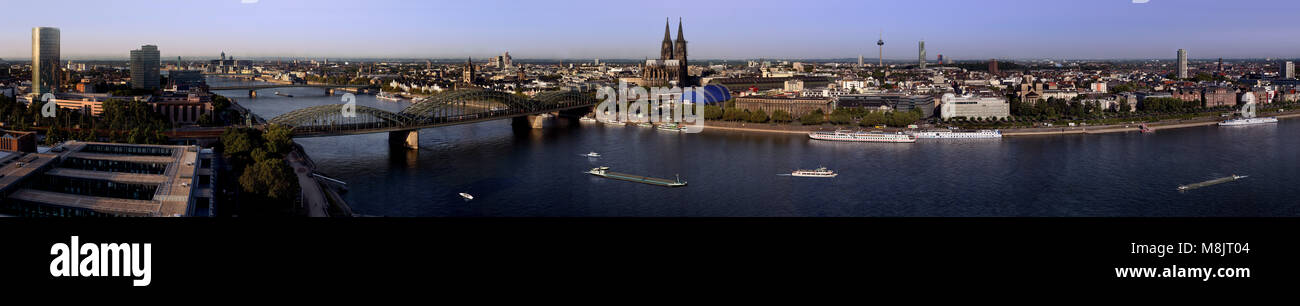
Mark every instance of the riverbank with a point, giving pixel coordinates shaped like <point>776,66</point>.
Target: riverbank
<point>1013,132</point>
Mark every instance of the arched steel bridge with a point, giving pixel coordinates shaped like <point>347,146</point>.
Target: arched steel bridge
<point>446,108</point>
<point>266,86</point>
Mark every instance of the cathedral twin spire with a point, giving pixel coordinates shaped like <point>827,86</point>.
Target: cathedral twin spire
<point>671,50</point>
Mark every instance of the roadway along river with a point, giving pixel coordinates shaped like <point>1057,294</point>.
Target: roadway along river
<point>540,172</point>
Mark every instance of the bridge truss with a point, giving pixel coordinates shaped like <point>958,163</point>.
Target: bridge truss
<point>446,108</point>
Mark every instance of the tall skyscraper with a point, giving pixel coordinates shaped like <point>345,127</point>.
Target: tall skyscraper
<point>1220,64</point>
<point>1182,64</point>
<point>920,54</point>
<point>45,60</point>
<point>1287,70</point>
<point>993,66</point>
<point>859,60</point>
<point>144,67</point>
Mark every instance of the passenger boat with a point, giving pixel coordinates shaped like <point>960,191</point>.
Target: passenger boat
<point>388,96</point>
<point>950,134</point>
<point>1248,121</point>
<point>843,135</point>
<point>592,154</point>
<point>819,172</point>
<point>671,127</point>
<point>466,196</point>
<point>587,119</point>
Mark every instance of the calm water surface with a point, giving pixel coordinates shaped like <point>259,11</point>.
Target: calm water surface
<point>540,172</point>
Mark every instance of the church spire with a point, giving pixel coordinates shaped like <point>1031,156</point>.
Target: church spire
<point>666,32</point>
<point>680,36</point>
<point>666,51</point>
<point>679,52</point>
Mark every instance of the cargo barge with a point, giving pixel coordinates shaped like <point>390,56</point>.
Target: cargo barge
<point>604,172</point>
<point>1211,182</point>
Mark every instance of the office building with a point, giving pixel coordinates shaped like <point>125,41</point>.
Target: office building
<point>920,54</point>
<point>993,67</point>
<point>888,102</point>
<point>144,67</point>
<point>45,60</point>
<point>973,107</point>
<point>1286,70</point>
<point>1182,64</point>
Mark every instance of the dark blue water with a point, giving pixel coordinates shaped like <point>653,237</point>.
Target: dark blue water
<point>540,172</point>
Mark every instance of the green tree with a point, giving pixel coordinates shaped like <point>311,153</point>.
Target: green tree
<point>815,117</point>
<point>712,112</point>
<point>271,178</point>
<point>758,116</point>
<point>781,116</point>
<point>279,139</point>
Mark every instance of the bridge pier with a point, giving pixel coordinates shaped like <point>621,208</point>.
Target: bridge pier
<point>252,93</point>
<point>542,121</point>
<point>406,139</point>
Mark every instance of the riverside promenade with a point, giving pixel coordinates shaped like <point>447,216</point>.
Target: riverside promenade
<point>727,126</point>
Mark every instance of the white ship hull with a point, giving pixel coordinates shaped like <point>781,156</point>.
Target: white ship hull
<point>959,135</point>
<point>863,137</point>
<point>1248,121</point>
<point>815,175</point>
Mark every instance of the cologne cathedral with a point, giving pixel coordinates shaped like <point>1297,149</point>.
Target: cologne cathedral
<point>670,68</point>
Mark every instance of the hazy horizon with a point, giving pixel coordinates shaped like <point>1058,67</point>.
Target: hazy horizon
<point>716,30</point>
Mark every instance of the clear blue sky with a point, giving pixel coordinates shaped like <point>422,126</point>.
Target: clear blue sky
<point>962,29</point>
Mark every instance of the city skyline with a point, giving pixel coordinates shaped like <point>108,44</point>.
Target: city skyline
<point>764,29</point>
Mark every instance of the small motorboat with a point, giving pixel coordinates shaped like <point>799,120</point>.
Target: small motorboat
<point>466,196</point>
<point>1146,129</point>
<point>592,154</point>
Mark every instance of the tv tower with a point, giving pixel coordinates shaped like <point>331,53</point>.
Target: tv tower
<point>881,44</point>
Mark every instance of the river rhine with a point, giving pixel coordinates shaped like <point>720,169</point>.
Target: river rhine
<point>540,172</point>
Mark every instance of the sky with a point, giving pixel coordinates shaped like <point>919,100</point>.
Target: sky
<point>633,29</point>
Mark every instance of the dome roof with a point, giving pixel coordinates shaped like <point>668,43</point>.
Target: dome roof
<point>710,94</point>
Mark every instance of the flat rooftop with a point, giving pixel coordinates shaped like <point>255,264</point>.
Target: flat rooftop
<point>171,198</point>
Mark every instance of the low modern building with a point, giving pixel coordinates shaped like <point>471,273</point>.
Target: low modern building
<point>796,107</point>
<point>892,102</point>
<point>969,106</point>
<point>108,179</point>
